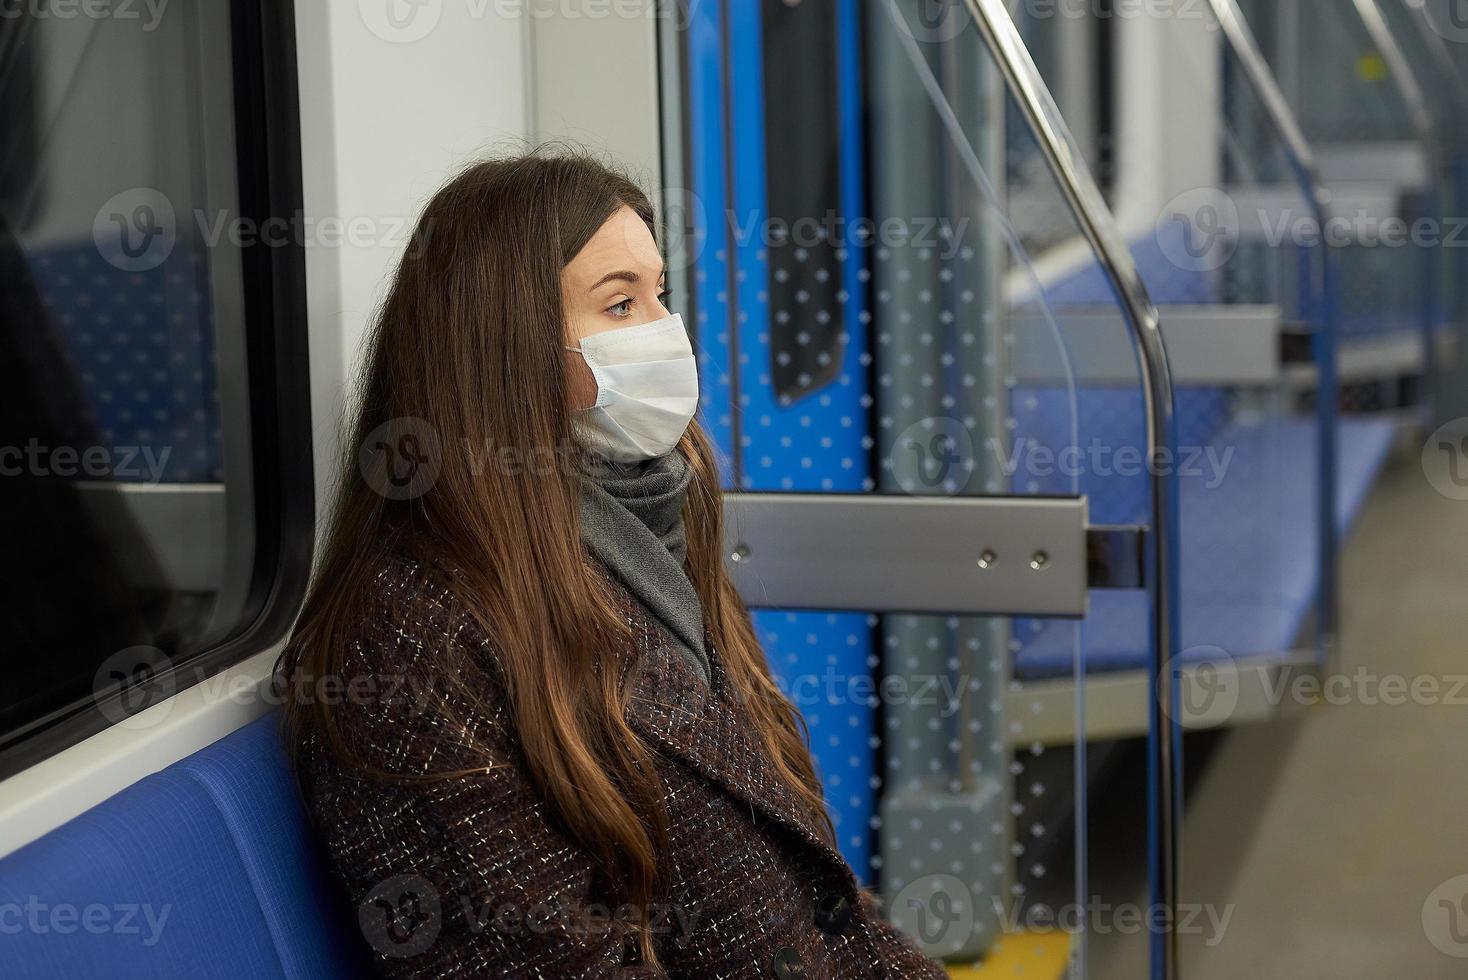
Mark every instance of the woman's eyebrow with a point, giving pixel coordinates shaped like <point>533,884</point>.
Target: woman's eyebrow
<point>623,275</point>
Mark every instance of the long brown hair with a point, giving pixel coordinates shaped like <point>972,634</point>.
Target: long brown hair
<point>469,340</point>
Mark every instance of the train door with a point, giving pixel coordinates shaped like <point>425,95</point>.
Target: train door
<point>869,212</point>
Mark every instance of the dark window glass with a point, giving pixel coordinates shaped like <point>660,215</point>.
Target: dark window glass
<point>141,494</point>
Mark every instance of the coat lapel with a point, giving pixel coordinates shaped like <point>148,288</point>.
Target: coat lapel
<point>710,731</point>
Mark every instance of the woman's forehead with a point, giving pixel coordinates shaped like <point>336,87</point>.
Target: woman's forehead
<point>623,242</point>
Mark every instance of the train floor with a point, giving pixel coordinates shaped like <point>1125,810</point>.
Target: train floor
<point>1322,838</point>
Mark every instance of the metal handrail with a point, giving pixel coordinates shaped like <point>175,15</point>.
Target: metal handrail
<point>1240,39</point>
<point>1098,227</point>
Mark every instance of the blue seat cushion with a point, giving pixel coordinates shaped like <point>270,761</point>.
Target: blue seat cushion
<point>1249,573</point>
<point>206,869</point>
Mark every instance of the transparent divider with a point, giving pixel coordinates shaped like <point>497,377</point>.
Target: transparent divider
<point>1231,247</point>
<point>1351,84</point>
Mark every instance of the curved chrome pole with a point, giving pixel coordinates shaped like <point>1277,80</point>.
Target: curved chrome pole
<point>1084,198</point>
<point>1240,39</point>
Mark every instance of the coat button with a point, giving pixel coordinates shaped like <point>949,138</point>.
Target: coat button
<point>788,965</point>
<point>833,913</point>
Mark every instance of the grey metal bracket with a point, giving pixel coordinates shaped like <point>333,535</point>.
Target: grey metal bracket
<point>988,556</point>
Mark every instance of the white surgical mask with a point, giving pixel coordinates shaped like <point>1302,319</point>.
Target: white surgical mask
<point>646,389</point>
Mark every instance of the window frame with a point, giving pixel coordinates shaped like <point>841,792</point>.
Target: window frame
<point>266,108</point>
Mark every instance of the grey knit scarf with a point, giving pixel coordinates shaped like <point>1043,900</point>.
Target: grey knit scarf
<point>632,520</point>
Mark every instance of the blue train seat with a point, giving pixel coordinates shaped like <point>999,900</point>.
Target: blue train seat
<point>205,869</point>
<point>1226,603</point>
<point>1248,574</point>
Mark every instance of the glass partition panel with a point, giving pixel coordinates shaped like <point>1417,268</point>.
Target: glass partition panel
<point>1228,242</point>
<point>878,297</point>
<point>1358,105</point>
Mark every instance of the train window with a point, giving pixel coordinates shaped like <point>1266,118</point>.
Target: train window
<point>155,492</point>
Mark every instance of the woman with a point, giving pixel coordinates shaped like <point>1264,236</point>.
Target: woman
<point>531,718</point>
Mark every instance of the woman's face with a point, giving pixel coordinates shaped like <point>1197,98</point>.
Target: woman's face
<point>616,280</point>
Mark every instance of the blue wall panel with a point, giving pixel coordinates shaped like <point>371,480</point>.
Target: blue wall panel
<point>816,442</point>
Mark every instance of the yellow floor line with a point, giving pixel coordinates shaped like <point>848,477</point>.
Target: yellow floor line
<point>1030,955</point>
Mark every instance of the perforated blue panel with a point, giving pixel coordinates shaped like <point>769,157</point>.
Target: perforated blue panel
<point>815,442</point>
<point>813,656</point>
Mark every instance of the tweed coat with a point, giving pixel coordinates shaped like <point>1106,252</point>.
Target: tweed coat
<point>474,876</point>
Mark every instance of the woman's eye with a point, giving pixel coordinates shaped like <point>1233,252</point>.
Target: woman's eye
<point>623,308</point>
<point>663,296</point>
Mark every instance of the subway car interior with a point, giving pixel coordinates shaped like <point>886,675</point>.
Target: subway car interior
<point>1089,380</point>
